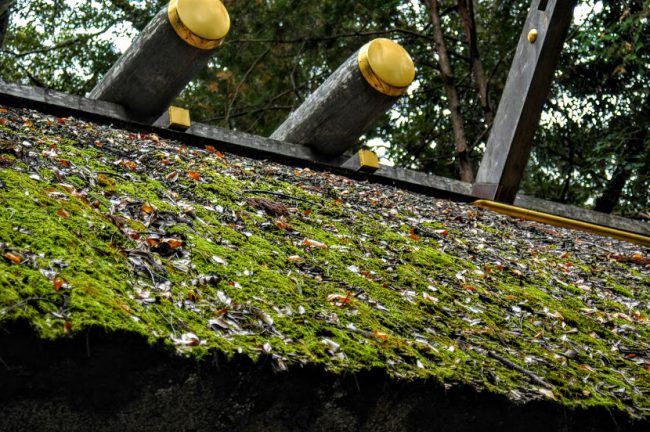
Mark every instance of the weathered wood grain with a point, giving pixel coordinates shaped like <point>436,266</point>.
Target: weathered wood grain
<point>337,114</point>
<point>520,109</point>
<point>153,70</point>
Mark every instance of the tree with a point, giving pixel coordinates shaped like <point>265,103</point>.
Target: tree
<point>5,12</point>
<point>279,51</point>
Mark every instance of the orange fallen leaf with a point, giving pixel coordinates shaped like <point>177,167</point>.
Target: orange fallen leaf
<point>307,213</point>
<point>63,213</point>
<point>147,208</point>
<point>281,225</point>
<point>67,327</point>
<point>60,121</point>
<point>166,162</point>
<point>173,243</point>
<point>130,165</point>
<point>314,243</point>
<point>172,177</point>
<point>469,287</point>
<point>443,232</point>
<point>210,149</point>
<point>194,175</point>
<point>65,163</point>
<point>58,284</point>
<point>105,180</point>
<point>4,110</point>
<point>339,299</point>
<point>381,336</point>
<point>16,259</point>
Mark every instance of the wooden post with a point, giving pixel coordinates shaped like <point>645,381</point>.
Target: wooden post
<point>169,52</point>
<point>526,91</point>
<point>351,100</point>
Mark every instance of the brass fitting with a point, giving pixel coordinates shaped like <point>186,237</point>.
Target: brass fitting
<point>203,24</point>
<point>387,66</point>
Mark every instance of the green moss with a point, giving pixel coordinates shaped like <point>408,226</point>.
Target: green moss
<point>404,304</point>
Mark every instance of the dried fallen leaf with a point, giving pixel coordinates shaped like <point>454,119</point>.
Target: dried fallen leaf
<point>63,213</point>
<point>188,339</point>
<point>281,225</point>
<point>130,165</point>
<point>381,336</point>
<point>295,259</point>
<point>172,176</point>
<point>173,243</point>
<point>16,259</point>
<point>314,244</point>
<point>270,207</point>
<point>58,284</point>
<point>147,208</point>
<point>546,392</point>
<point>194,175</point>
<point>339,300</point>
<point>105,180</point>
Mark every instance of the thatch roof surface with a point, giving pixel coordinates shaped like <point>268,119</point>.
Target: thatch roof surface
<point>207,251</point>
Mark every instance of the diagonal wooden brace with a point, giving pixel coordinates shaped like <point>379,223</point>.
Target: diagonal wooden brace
<point>526,91</point>
<point>173,48</point>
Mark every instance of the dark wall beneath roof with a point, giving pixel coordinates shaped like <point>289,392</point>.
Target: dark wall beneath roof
<point>98,382</point>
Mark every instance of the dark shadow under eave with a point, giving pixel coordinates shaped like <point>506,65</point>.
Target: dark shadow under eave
<point>118,382</point>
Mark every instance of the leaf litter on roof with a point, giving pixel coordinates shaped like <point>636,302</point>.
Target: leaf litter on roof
<point>209,251</point>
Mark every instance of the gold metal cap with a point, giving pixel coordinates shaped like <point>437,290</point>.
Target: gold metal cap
<point>201,23</point>
<point>387,66</point>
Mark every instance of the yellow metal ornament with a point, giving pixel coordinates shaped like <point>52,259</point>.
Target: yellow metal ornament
<point>179,118</point>
<point>387,66</point>
<point>201,23</point>
<point>368,161</point>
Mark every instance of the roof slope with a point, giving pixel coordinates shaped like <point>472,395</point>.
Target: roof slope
<point>205,251</point>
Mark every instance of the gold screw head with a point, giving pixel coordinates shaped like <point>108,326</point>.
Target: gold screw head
<point>533,35</point>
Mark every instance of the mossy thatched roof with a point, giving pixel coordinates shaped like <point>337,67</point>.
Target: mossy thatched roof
<point>205,251</point>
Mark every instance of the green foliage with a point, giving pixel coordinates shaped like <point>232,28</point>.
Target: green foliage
<point>280,51</point>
